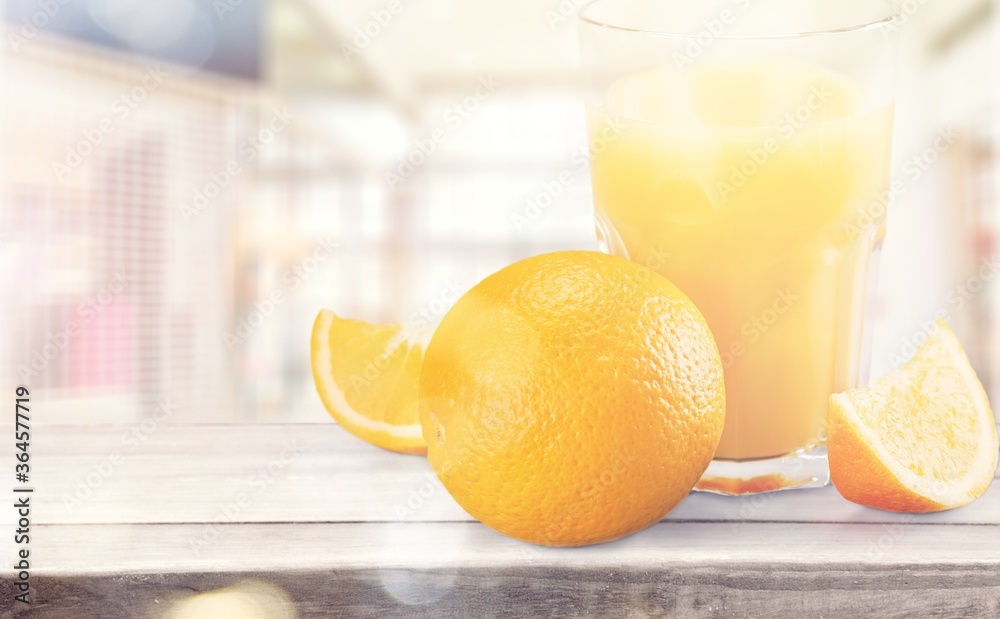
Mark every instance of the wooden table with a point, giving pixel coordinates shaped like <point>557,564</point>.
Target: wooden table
<point>123,527</point>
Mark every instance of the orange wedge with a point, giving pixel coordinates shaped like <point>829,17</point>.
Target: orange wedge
<point>366,375</point>
<point>922,439</point>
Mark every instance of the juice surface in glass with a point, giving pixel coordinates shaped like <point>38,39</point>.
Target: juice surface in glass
<point>751,187</point>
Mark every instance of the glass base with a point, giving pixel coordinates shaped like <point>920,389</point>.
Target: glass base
<point>807,468</point>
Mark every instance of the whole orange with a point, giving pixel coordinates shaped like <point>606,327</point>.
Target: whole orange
<point>571,398</point>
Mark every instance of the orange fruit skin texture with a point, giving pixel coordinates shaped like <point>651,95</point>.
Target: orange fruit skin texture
<point>937,410</point>
<point>861,477</point>
<point>571,398</point>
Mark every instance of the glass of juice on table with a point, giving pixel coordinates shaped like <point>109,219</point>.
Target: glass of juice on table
<point>741,149</point>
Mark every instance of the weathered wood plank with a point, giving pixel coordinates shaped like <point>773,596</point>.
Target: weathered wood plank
<point>742,592</point>
<point>122,549</point>
<point>680,570</point>
<point>319,473</point>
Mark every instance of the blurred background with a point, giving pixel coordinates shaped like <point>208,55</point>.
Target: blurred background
<point>186,183</point>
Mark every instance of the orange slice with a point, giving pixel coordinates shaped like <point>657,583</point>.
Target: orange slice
<point>366,375</point>
<point>922,439</point>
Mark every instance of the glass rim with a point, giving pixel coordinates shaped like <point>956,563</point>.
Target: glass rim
<point>892,16</point>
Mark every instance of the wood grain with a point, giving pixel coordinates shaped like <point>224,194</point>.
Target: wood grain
<point>333,478</point>
<point>129,528</point>
<point>742,593</point>
<point>673,569</point>
<point>122,549</point>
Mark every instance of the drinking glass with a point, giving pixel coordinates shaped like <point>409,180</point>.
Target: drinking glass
<point>741,149</point>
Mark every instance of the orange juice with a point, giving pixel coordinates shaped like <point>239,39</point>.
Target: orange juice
<point>749,186</point>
